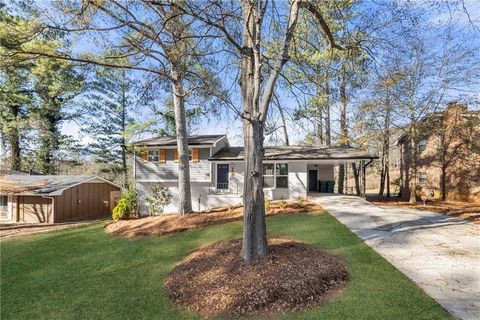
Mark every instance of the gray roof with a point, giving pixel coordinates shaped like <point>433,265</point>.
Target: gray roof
<point>172,140</point>
<point>296,153</point>
<point>41,185</point>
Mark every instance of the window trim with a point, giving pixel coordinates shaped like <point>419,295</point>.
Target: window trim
<point>153,157</point>
<point>275,175</point>
<point>422,143</point>
<point>422,176</point>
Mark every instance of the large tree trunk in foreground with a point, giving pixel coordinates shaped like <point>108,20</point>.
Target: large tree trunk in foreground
<point>254,228</point>
<point>185,197</point>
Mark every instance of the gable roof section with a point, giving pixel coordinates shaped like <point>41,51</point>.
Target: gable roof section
<point>44,185</point>
<point>296,153</point>
<point>194,140</point>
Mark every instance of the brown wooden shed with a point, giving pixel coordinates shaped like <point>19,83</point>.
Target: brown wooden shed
<point>55,199</point>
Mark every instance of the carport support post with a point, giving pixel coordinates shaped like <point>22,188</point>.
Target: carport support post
<point>364,180</point>
<point>364,176</point>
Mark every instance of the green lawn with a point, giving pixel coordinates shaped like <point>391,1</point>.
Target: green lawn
<point>85,273</point>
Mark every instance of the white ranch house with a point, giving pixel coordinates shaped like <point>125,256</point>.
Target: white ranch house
<point>217,170</point>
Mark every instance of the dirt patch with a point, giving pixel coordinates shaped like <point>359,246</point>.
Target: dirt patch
<point>215,281</point>
<point>15,230</point>
<point>167,224</point>
<point>464,210</point>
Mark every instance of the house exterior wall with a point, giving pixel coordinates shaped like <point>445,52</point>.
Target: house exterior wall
<point>33,209</point>
<point>325,171</point>
<point>205,195</point>
<point>168,170</point>
<point>462,169</point>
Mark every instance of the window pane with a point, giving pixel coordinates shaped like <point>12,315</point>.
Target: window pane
<point>282,169</point>
<point>3,201</point>
<point>268,169</point>
<point>268,182</point>
<point>282,182</point>
<point>153,155</point>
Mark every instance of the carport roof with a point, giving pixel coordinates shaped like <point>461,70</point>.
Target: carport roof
<point>43,185</point>
<point>296,153</point>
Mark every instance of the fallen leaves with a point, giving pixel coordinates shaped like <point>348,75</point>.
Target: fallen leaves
<point>465,210</point>
<point>215,280</point>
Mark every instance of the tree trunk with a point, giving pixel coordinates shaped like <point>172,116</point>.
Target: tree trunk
<point>341,178</point>
<point>443,182</point>
<point>13,137</point>
<point>387,143</point>
<point>284,125</point>
<point>343,124</point>
<point>381,190</point>
<point>326,108</point>
<point>356,175</point>
<point>123,141</point>
<point>319,117</point>
<point>254,228</point>
<point>185,197</point>
<point>413,166</point>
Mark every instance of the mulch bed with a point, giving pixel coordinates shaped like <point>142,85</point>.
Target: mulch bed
<point>167,224</point>
<point>215,280</point>
<point>465,210</point>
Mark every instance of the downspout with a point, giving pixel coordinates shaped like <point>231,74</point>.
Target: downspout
<point>53,207</point>
<point>364,178</point>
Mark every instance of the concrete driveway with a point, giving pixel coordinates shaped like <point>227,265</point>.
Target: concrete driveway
<point>439,253</point>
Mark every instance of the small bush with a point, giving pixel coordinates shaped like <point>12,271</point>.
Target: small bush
<point>158,199</point>
<point>302,203</point>
<point>283,204</point>
<point>127,206</point>
<point>121,210</point>
<point>130,196</point>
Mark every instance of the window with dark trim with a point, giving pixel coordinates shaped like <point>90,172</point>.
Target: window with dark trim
<point>153,155</point>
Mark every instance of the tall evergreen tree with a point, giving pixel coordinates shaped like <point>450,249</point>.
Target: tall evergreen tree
<point>107,118</point>
<point>15,92</point>
<point>55,83</point>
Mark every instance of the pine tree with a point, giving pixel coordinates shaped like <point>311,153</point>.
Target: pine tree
<point>107,119</point>
<point>55,83</point>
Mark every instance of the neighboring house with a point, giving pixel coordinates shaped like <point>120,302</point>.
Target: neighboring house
<point>217,170</point>
<point>448,155</point>
<point>52,199</point>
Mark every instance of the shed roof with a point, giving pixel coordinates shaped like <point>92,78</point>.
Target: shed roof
<point>296,153</point>
<point>172,140</point>
<point>43,185</point>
